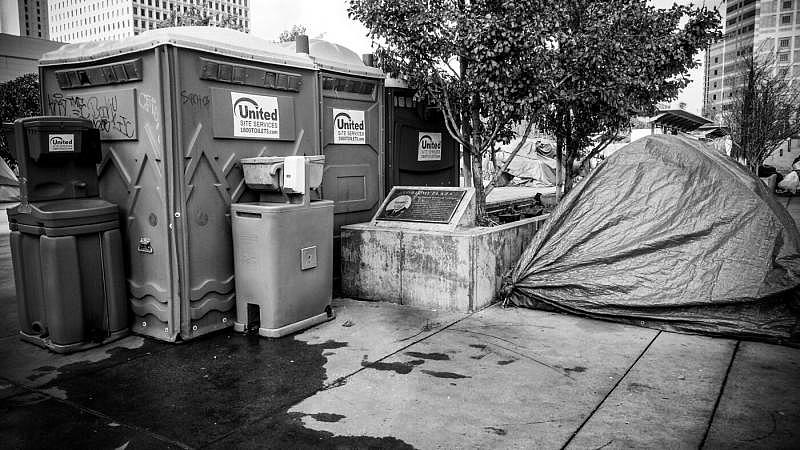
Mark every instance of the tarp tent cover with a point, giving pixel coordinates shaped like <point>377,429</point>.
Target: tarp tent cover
<point>668,233</point>
<point>530,163</point>
<point>9,186</point>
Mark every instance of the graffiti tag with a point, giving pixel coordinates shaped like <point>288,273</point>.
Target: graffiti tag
<point>102,108</point>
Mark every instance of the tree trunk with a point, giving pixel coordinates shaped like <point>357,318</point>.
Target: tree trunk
<point>559,167</point>
<point>477,162</point>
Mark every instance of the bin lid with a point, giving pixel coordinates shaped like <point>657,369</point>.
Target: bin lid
<point>223,41</point>
<point>56,123</point>
<point>68,212</point>
<point>337,58</point>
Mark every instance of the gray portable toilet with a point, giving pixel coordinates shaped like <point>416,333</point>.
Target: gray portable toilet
<point>177,109</point>
<point>419,149</point>
<point>352,134</point>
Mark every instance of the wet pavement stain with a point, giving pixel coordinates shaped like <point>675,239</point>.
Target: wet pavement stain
<point>506,362</point>
<point>449,375</point>
<point>286,431</point>
<point>639,387</point>
<point>576,369</point>
<point>327,417</point>
<point>331,344</point>
<point>221,390</point>
<point>432,356</point>
<point>495,430</point>
<point>403,368</point>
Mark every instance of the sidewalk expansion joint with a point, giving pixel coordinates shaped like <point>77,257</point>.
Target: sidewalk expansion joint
<point>613,388</point>
<point>719,395</point>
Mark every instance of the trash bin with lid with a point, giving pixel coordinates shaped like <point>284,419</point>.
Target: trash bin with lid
<point>66,246</point>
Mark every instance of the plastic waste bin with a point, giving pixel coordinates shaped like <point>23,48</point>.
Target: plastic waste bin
<point>67,250</point>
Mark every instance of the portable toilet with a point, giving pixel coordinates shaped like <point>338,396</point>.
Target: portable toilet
<point>352,134</point>
<point>419,149</point>
<point>177,109</point>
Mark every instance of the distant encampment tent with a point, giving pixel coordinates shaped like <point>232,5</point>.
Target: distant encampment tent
<point>668,233</point>
<point>9,185</point>
<point>534,164</point>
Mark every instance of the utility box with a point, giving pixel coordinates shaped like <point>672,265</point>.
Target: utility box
<point>177,109</point>
<point>66,246</point>
<point>419,149</point>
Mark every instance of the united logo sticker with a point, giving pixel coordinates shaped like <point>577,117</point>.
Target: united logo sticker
<point>61,143</point>
<point>429,147</point>
<point>255,116</point>
<point>348,127</point>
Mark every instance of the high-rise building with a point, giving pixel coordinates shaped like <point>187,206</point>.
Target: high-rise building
<point>91,20</point>
<point>24,18</point>
<point>769,28</point>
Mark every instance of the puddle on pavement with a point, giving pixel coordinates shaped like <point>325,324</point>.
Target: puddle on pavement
<point>224,390</point>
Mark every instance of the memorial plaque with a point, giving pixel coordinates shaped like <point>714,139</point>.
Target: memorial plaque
<point>429,205</point>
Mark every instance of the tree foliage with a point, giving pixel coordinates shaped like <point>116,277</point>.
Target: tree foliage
<point>291,34</point>
<point>764,110</point>
<point>18,98</point>
<point>486,63</point>
<point>201,14</point>
<point>578,68</point>
<point>621,58</point>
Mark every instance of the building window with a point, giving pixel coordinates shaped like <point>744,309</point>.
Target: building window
<point>787,4</point>
<point>715,70</point>
<point>714,97</point>
<point>784,43</point>
<point>716,59</point>
<point>786,19</point>
<point>783,57</point>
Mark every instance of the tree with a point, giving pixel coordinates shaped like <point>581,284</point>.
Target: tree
<point>621,57</point>
<point>291,35</point>
<point>18,98</point>
<point>201,14</point>
<point>764,110</point>
<point>486,63</point>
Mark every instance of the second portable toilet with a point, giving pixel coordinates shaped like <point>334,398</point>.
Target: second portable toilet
<point>351,135</point>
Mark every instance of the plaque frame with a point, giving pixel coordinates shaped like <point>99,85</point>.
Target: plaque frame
<point>462,216</point>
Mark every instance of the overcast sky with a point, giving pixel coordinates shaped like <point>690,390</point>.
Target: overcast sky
<point>328,20</point>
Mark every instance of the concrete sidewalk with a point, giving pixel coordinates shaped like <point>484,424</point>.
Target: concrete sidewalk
<point>388,376</point>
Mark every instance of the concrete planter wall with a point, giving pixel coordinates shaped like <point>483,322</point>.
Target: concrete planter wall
<point>452,270</point>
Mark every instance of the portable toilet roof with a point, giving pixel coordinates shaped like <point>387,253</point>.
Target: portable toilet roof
<point>336,58</point>
<point>222,41</point>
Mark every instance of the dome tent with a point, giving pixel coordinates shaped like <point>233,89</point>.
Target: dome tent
<point>668,233</point>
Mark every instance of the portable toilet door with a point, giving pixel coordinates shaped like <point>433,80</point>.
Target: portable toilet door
<point>419,149</point>
<point>352,135</point>
<point>177,109</point>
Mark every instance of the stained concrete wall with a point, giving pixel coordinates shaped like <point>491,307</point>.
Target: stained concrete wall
<point>455,271</point>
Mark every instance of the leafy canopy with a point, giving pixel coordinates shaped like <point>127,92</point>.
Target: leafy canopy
<point>18,98</point>
<point>483,57</point>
